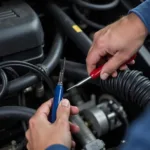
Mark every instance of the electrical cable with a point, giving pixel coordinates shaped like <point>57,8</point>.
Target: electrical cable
<point>88,5</point>
<point>4,83</point>
<point>84,19</point>
<point>12,72</point>
<point>32,67</point>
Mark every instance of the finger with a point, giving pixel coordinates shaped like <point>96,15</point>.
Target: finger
<point>28,146</point>
<point>92,59</point>
<point>74,128</point>
<point>114,74</point>
<point>73,144</point>
<point>132,62</point>
<point>112,65</point>
<point>74,110</point>
<point>27,134</point>
<point>124,67</point>
<point>63,111</point>
<point>44,109</point>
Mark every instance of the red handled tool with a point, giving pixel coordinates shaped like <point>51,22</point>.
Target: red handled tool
<point>95,74</point>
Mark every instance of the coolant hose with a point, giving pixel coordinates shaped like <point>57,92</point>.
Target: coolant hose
<point>70,28</point>
<point>128,86</point>
<point>49,64</point>
<point>88,5</point>
<point>54,55</point>
<point>16,112</point>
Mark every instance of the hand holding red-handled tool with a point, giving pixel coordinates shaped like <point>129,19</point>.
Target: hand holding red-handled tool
<point>96,73</point>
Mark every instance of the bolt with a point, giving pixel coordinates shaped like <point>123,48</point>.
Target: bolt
<point>29,89</point>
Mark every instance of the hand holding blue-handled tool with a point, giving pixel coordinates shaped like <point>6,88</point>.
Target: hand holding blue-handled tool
<point>58,94</point>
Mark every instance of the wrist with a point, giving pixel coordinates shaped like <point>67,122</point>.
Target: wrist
<point>137,25</point>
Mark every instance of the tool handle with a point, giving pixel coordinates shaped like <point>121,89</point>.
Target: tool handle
<point>57,98</point>
<point>96,72</point>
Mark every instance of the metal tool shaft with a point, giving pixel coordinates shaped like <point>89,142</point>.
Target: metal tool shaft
<point>80,83</point>
<point>61,74</point>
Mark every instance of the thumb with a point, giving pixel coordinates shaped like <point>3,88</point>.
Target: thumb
<point>113,64</point>
<point>63,111</point>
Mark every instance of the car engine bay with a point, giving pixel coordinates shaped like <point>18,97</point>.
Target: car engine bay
<point>35,38</point>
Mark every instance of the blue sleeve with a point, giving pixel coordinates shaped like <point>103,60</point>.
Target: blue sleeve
<point>57,147</point>
<point>138,136</point>
<point>143,12</point>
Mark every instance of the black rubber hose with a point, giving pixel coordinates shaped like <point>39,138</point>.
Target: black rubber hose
<point>30,79</point>
<point>16,113</point>
<point>54,55</point>
<point>4,83</point>
<point>88,5</point>
<point>70,28</point>
<point>128,86</point>
<point>85,20</point>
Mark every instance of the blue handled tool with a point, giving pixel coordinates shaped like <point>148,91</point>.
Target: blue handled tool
<point>58,94</point>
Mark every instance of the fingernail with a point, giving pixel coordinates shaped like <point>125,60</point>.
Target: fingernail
<point>65,103</point>
<point>104,76</point>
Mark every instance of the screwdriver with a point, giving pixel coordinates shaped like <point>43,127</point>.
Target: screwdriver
<point>58,96</point>
<point>95,74</point>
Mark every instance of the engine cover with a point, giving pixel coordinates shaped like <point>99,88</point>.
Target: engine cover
<point>21,34</point>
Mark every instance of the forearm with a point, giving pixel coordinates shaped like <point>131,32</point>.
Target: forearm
<point>143,12</point>
<point>57,147</point>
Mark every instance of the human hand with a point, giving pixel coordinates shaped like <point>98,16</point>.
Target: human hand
<point>117,43</point>
<point>41,133</point>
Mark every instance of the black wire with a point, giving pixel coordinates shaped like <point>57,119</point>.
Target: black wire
<point>88,5</point>
<point>84,19</point>
<point>39,70</point>
<point>4,83</point>
<point>12,72</point>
